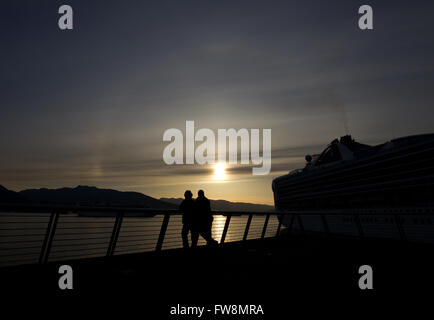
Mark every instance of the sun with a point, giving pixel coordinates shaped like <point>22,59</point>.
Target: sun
<point>219,171</point>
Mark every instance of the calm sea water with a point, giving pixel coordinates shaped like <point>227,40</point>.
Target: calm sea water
<point>22,235</point>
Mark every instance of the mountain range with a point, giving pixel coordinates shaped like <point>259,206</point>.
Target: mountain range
<point>93,196</point>
<point>11,196</point>
<point>83,195</point>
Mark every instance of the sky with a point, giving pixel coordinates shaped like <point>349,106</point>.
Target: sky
<point>89,106</point>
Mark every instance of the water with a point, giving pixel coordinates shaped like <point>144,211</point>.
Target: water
<point>22,235</point>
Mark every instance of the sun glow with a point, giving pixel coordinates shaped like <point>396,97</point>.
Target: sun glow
<point>219,171</point>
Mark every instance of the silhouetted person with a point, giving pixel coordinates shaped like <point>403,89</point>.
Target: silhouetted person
<point>188,209</point>
<point>203,224</point>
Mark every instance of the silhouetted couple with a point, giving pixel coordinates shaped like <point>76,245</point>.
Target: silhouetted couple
<point>196,219</point>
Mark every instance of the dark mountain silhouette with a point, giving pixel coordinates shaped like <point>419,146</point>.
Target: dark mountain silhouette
<point>224,205</point>
<point>8,196</point>
<point>93,196</point>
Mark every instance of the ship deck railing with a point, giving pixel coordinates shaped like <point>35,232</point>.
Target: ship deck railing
<point>38,234</point>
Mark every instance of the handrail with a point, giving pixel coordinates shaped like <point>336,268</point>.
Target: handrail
<point>24,208</point>
<point>13,207</point>
<point>159,229</point>
<point>117,217</point>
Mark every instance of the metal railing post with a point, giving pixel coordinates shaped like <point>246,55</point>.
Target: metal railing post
<point>51,237</point>
<point>400,228</point>
<point>300,222</point>
<point>225,229</point>
<point>115,234</point>
<point>264,229</point>
<point>162,232</point>
<point>292,222</point>
<point>246,231</point>
<point>325,224</point>
<point>279,225</point>
<point>47,235</point>
<point>358,224</point>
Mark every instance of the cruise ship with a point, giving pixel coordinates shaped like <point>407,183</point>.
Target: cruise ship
<point>395,178</point>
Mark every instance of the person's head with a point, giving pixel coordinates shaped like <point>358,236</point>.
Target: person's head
<point>200,194</point>
<point>188,194</point>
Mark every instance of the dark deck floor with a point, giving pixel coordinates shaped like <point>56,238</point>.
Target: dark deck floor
<point>276,273</point>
